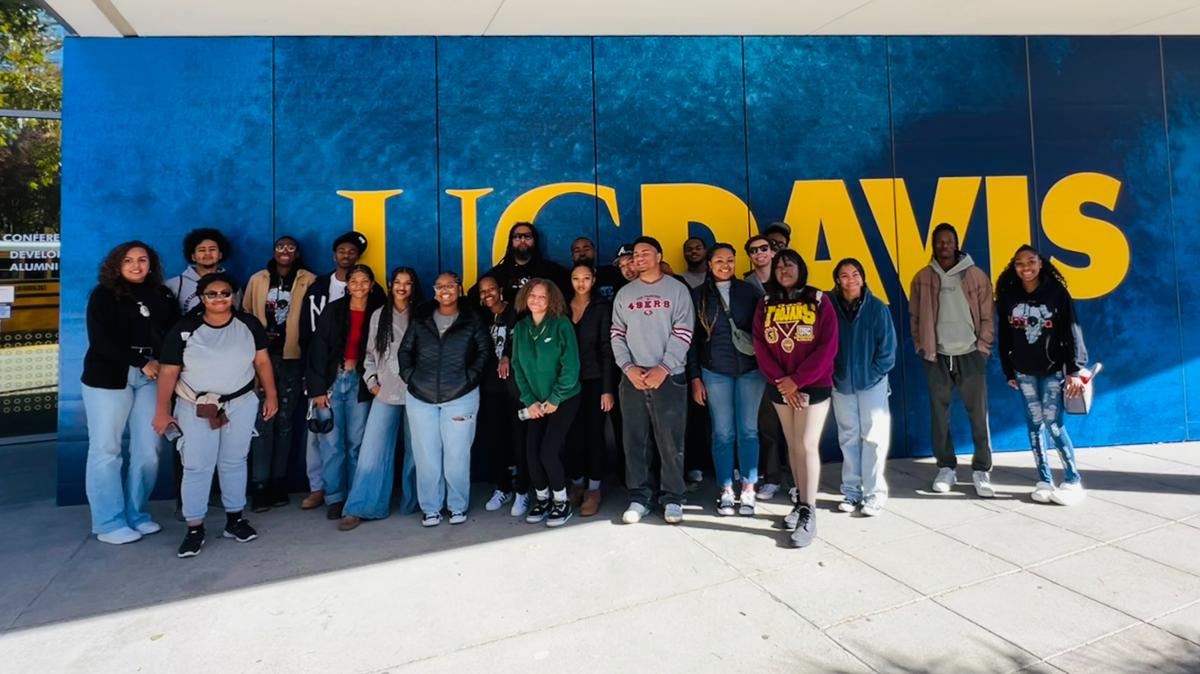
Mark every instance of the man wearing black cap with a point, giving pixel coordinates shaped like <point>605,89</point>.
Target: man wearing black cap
<point>523,261</point>
<point>347,248</point>
<point>624,262</point>
<point>779,235</point>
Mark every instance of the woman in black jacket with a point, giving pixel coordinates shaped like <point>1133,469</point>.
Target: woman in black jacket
<point>724,373</point>
<point>128,314</point>
<point>592,317</point>
<point>499,434</point>
<point>442,359</point>
<point>334,381</point>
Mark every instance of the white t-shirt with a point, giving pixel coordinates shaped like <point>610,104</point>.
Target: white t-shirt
<point>337,289</point>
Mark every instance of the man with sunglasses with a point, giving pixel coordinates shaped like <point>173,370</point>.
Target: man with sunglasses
<point>271,294</point>
<point>522,261</point>
<point>772,451</point>
<point>758,249</point>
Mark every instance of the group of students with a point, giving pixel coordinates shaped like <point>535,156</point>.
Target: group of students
<point>540,359</point>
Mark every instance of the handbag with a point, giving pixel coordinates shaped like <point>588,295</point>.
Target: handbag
<point>1082,404</point>
<point>742,341</point>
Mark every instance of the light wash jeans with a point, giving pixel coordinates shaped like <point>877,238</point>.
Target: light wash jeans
<point>371,494</point>
<point>864,424</point>
<point>733,404</point>
<point>339,448</point>
<point>120,501</point>
<point>204,448</point>
<point>441,436</point>
<point>1043,409</point>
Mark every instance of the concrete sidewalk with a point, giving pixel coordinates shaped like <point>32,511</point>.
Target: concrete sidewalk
<point>944,583</point>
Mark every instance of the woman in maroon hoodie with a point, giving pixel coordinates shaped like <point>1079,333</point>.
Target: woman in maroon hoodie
<point>795,341</point>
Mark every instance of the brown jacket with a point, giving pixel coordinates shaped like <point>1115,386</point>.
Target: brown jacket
<point>255,302</point>
<point>923,309</point>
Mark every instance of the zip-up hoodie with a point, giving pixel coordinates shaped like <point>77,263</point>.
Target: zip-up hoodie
<point>792,339</point>
<point>866,345</point>
<point>925,310</point>
<point>1036,332</point>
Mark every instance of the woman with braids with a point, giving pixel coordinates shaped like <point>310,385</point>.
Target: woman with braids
<point>1040,357</point>
<point>724,375</point>
<point>371,489</point>
<point>334,379</point>
<point>796,340</point>
<point>128,314</point>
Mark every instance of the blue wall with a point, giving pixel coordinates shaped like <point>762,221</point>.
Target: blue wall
<point>860,142</point>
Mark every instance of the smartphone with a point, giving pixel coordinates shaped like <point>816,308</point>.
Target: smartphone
<point>172,433</point>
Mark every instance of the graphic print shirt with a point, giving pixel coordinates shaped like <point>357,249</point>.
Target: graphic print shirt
<point>795,339</point>
<point>652,325</point>
<point>1035,331</point>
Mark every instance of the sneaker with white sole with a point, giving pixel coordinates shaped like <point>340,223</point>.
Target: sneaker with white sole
<point>431,519</point>
<point>871,509</point>
<point>120,536</point>
<point>239,529</point>
<point>520,505</point>
<point>634,513</point>
<point>725,503</point>
<point>1042,491</point>
<point>559,513</point>
<point>673,513</point>
<point>538,512</point>
<point>498,500</point>
<point>148,527</point>
<point>746,509</point>
<point>1068,493</point>
<point>458,517</point>
<point>848,505</point>
<point>192,542</point>
<point>983,483</point>
<point>806,526</point>
<point>767,491</point>
<point>945,480</point>
<point>790,519</point>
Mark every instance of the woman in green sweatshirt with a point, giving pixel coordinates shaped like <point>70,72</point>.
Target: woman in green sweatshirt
<point>545,362</point>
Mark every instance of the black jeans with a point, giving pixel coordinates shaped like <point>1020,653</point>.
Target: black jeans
<point>544,442</point>
<point>586,453</point>
<point>499,433</point>
<point>269,451</point>
<point>772,450</point>
<point>655,417</point>
<point>697,453</point>
<point>969,375</point>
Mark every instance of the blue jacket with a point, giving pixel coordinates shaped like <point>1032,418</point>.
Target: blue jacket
<point>866,345</point>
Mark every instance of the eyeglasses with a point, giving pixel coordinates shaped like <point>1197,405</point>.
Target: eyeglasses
<point>777,245</point>
<point>214,294</point>
<point>285,247</point>
<point>754,250</point>
<point>442,288</point>
<point>522,235</point>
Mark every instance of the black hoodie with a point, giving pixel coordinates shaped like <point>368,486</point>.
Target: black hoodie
<point>1036,335</point>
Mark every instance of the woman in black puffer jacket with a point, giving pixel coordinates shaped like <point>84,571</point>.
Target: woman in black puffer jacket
<point>442,358</point>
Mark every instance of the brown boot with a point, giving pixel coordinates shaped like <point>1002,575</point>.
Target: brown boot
<point>349,522</point>
<point>576,494</point>
<point>335,511</point>
<point>313,500</point>
<point>591,503</point>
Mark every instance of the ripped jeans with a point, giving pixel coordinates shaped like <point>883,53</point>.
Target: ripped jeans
<point>441,441</point>
<point>1043,410</point>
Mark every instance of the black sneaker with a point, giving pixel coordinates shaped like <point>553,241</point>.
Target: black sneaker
<point>538,512</point>
<point>240,530</point>
<point>806,526</point>
<point>192,542</point>
<point>560,512</point>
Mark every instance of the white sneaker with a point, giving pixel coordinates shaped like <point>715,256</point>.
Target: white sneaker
<point>634,513</point>
<point>983,483</point>
<point>1042,492</point>
<point>946,478</point>
<point>767,491</point>
<point>673,513</point>
<point>520,505</point>
<point>149,527</point>
<point>872,509</point>
<point>725,503</point>
<point>1068,493</point>
<point>431,519</point>
<point>847,505</point>
<point>120,536</point>
<point>746,509</point>
<point>458,517</point>
<point>498,500</point>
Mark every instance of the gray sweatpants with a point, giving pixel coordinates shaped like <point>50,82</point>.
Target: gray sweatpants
<point>969,375</point>
<point>204,449</point>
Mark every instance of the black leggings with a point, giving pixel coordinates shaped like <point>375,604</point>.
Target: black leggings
<point>498,433</point>
<point>586,455</point>
<point>544,442</point>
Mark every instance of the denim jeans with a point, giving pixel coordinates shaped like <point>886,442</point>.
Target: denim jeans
<point>118,501</point>
<point>441,435</point>
<point>1043,409</point>
<point>864,424</point>
<point>312,460</point>
<point>270,449</point>
<point>339,448</point>
<point>225,449</point>
<point>654,418</point>
<point>371,493</point>
<point>733,404</point>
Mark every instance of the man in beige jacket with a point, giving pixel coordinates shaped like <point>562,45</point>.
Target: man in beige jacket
<point>952,328</point>
<point>273,296</point>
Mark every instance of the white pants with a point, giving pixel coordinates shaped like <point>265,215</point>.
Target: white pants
<point>864,424</point>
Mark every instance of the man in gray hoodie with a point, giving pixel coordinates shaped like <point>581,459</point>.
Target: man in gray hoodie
<point>952,328</point>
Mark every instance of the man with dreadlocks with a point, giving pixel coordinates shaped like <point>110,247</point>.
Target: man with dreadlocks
<point>523,261</point>
<point>952,328</point>
<point>1039,355</point>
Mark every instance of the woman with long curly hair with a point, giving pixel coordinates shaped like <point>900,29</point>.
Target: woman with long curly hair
<point>1041,359</point>
<point>128,314</point>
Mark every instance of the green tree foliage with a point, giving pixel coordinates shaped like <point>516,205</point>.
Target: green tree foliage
<point>30,79</point>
